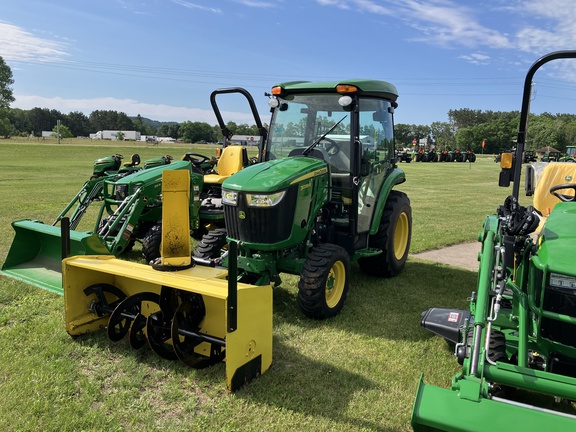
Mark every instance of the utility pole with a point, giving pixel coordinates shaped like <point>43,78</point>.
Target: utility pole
<point>58,130</point>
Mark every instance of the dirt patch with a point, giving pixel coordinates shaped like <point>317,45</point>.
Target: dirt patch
<point>464,255</point>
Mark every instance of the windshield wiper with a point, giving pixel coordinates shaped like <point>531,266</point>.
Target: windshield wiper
<point>315,143</point>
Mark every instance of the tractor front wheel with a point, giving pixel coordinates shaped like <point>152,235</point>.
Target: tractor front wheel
<point>323,282</point>
<point>151,243</point>
<point>393,238</point>
<point>211,245</point>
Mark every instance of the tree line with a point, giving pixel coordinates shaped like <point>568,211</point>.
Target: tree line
<point>467,129</point>
<point>18,122</point>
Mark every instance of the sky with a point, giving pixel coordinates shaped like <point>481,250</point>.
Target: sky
<point>162,58</point>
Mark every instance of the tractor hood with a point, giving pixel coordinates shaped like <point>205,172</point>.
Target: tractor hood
<point>276,174</point>
<point>558,241</point>
<point>151,174</point>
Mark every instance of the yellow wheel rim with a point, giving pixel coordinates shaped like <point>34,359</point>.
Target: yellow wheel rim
<point>335,284</point>
<point>401,235</point>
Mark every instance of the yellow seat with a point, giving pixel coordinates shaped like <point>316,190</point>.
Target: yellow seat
<point>554,174</point>
<point>232,160</point>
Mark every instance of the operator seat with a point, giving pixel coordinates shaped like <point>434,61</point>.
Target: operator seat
<point>135,161</point>
<point>232,160</point>
<point>554,173</point>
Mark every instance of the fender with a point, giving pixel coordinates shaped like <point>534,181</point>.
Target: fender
<point>396,177</point>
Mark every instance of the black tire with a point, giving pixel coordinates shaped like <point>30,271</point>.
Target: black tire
<point>393,238</point>
<point>324,281</point>
<point>472,158</point>
<point>151,243</point>
<point>211,245</point>
<point>497,347</point>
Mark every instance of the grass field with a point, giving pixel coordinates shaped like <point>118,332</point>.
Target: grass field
<point>356,372</point>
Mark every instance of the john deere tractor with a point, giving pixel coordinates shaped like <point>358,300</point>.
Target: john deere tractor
<point>322,195</point>
<point>520,331</point>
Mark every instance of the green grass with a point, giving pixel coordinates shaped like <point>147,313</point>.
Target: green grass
<point>356,372</point>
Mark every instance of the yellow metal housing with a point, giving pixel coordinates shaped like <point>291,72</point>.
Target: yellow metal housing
<point>248,348</point>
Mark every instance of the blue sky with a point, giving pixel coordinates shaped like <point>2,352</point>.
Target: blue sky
<point>162,58</point>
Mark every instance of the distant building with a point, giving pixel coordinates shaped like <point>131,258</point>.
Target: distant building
<point>245,140</point>
<point>111,135</point>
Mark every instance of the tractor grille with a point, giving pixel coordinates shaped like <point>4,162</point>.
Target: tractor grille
<point>261,224</point>
<point>562,302</point>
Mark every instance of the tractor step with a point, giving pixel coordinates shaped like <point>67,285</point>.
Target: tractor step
<point>368,252</point>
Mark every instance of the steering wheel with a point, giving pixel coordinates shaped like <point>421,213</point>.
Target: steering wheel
<point>564,197</point>
<point>196,159</point>
<point>331,148</point>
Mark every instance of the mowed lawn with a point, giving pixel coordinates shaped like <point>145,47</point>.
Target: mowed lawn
<point>356,372</point>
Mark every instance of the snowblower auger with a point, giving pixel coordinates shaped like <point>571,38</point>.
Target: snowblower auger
<point>196,314</point>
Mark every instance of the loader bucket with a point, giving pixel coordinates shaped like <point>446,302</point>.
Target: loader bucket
<point>195,315</point>
<point>35,255</point>
<point>440,409</point>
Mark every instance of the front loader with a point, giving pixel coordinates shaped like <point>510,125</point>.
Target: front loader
<point>322,195</point>
<point>130,206</point>
<point>518,337</point>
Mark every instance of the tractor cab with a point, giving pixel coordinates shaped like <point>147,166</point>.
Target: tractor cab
<point>348,125</point>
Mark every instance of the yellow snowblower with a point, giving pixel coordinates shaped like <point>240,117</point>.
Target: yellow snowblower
<point>198,314</point>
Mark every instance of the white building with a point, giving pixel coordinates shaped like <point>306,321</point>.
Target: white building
<point>111,135</point>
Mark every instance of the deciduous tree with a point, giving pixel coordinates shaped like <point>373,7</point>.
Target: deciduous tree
<point>6,80</point>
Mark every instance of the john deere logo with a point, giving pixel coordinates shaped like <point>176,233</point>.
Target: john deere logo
<point>242,215</point>
<point>568,178</point>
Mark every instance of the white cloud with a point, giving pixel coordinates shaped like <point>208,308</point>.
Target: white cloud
<point>440,22</point>
<point>477,58</point>
<point>559,32</point>
<point>191,5</point>
<point>257,4</point>
<point>17,44</point>
<point>131,107</point>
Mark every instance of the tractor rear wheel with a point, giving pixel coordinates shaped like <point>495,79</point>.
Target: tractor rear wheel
<point>323,282</point>
<point>211,245</point>
<point>393,238</point>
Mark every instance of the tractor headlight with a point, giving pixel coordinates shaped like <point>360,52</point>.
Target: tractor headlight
<point>229,197</point>
<point>264,200</point>
<point>562,281</point>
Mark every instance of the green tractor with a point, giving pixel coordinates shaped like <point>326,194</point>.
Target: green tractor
<point>322,195</point>
<point>529,156</point>
<point>551,156</point>
<point>520,331</point>
<point>570,154</point>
